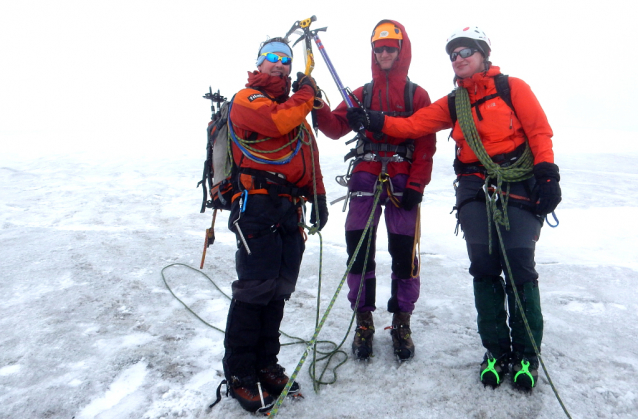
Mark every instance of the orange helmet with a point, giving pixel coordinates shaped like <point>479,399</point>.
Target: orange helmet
<point>386,30</point>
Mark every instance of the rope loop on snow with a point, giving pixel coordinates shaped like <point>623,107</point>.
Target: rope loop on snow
<point>319,326</point>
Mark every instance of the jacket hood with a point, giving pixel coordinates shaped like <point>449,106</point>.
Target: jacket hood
<point>398,74</point>
<point>274,86</point>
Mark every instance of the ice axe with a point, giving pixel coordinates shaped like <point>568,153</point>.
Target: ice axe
<point>303,26</point>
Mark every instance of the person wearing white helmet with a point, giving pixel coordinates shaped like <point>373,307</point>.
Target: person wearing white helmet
<point>501,128</point>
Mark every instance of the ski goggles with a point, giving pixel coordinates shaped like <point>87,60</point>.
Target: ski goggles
<point>273,58</point>
<point>464,53</point>
<point>389,50</point>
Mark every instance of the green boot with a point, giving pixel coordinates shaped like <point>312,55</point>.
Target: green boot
<point>530,299</point>
<point>524,359</point>
<point>489,299</point>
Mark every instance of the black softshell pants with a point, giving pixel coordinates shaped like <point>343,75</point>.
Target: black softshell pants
<point>494,297</point>
<point>266,278</point>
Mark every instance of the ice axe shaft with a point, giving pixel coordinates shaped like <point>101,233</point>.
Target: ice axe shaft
<point>331,67</point>
<point>333,72</point>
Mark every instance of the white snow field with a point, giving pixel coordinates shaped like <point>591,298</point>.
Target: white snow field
<point>90,331</point>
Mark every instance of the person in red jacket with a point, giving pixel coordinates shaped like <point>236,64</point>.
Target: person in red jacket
<point>406,163</point>
<point>277,163</point>
<point>507,134</point>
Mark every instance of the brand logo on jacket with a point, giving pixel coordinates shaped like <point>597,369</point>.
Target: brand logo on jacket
<point>255,96</point>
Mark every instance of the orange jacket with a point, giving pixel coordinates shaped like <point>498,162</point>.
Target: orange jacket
<point>501,130</point>
<point>264,110</point>
<point>388,96</point>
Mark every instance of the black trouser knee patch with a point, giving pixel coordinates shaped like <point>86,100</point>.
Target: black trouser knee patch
<point>352,240</point>
<point>371,291</point>
<point>523,266</point>
<point>393,302</point>
<point>400,248</point>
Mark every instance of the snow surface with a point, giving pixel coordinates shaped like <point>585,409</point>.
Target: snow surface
<point>90,331</point>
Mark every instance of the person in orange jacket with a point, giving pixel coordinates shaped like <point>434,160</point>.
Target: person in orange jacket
<point>407,163</point>
<point>504,133</point>
<point>278,168</point>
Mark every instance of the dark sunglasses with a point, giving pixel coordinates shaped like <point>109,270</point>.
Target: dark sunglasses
<point>390,50</point>
<point>273,58</point>
<point>464,53</point>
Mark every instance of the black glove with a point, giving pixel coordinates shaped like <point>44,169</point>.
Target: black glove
<point>303,80</point>
<point>547,187</point>
<point>323,211</point>
<point>411,198</point>
<point>371,120</point>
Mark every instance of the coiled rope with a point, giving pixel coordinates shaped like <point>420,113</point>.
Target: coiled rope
<point>519,171</point>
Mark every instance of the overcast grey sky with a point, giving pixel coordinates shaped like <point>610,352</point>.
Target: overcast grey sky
<point>128,76</point>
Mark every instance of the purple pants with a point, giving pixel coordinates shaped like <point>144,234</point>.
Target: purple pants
<point>401,226</point>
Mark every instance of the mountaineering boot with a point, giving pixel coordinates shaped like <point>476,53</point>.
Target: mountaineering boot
<point>363,335</point>
<point>249,393</point>
<point>402,336</point>
<point>274,380</point>
<point>493,369</point>
<point>524,371</point>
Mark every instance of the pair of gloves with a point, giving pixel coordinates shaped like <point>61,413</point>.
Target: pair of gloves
<point>373,121</point>
<point>547,191</point>
<point>370,120</point>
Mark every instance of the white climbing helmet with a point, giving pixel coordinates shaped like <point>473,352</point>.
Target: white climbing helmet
<point>474,33</point>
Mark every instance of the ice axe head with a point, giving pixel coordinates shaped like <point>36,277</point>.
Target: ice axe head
<point>300,25</point>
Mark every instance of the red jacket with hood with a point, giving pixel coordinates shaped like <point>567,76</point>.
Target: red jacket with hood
<point>501,130</point>
<point>265,110</point>
<point>388,96</point>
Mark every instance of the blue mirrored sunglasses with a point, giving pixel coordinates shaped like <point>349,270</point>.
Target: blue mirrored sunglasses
<point>273,58</point>
<point>464,53</point>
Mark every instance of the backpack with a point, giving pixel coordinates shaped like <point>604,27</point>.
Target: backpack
<point>219,166</point>
<point>502,89</point>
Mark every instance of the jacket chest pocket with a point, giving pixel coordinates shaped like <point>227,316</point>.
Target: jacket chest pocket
<point>497,122</point>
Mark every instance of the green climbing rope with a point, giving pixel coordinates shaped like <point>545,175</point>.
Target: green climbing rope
<point>318,328</point>
<point>517,172</point>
